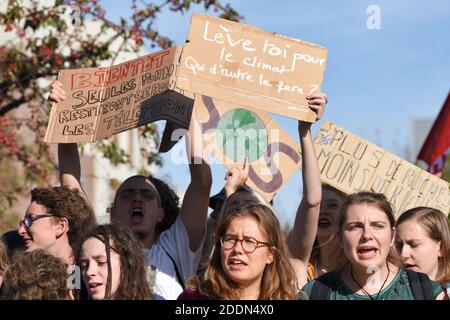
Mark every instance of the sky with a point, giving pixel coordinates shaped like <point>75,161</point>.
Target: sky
<point>378,81</point>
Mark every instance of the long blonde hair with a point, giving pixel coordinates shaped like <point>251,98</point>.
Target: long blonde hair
<point>437,226</point>
<point>333,240</point>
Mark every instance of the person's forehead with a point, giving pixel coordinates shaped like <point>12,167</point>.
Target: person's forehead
<point>36,208</point>
<point>412,228</point>
<point>93,246</point>
<point>246,225</point>
<point>136,183</point>
<point>362,212</point>
<point>329,194</point>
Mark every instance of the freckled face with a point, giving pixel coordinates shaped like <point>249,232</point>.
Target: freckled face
<point>242,267</point>
<point>367,235</point>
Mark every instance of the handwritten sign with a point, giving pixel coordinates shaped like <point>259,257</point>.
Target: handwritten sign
<point>351,164</point>
<point>106,101</point>
<point>241,64</point>
<point>224,60</point>
<point>233,133</point>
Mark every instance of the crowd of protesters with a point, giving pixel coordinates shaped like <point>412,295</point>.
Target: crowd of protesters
<point>341,247</point>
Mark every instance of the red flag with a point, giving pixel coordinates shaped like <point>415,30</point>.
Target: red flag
<point>436,148</point>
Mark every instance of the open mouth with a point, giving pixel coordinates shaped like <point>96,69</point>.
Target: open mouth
<point>409,266</point>
<point>367,252</point>
<point>137,216</point>
<point>94,286</point>
<point>27,242</point>
<point>324,223</point>
<point>236,264</point>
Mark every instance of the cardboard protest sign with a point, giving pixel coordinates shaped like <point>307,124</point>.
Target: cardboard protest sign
<point>104,101</point>
<point>233,133</point>
<point>225,60</point>
<point>241,64</point>
<point>351,164</point>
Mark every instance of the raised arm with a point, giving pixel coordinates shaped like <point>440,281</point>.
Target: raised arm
<point>300,239</point>
<point>194,210</point>
<point>69,166</point>
<point>236,176</point>
<point>68,157</point>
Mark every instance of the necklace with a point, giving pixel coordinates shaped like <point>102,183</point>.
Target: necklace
<point>365,292</point>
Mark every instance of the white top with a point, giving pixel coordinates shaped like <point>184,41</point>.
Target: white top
<point>176,241</point>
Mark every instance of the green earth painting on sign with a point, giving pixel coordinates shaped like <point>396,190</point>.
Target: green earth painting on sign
<point>242,134</point>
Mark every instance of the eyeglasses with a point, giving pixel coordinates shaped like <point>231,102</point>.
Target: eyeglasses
<point>249,244</point>
<point>28,220</point>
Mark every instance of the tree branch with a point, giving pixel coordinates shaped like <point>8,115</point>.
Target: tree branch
<point>12,105</point>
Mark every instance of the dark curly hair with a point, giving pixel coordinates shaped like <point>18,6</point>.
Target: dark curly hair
<point>70,204</point>
<point>4,259</point>
<point>35,275</point>
<point>168,200</point>
<point>134,282</point>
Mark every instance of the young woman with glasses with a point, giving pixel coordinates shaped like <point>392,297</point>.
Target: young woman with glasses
<point>306,230</point>
<point>249,261</point>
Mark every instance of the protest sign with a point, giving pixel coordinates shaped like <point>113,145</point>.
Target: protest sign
<point>351,164</point>
<point>104,101</point>
<point>241,64</point>
<point>254,69</point>
<point>229,61</point>
<point>233,133</point>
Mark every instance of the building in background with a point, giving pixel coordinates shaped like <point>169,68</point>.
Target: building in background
<point>99,178</point>
<point>419,131</point>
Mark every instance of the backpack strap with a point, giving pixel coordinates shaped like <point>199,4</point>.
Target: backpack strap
<point>179,277</point>
<point>322,287</point>
<point>420,285</point>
